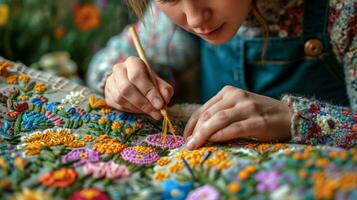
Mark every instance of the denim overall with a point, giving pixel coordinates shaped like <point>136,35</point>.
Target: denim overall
<point>302,65</point>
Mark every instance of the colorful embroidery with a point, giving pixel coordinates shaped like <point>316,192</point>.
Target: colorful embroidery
<point>81,149</point>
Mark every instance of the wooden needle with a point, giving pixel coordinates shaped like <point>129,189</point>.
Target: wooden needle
<point>166,121</point>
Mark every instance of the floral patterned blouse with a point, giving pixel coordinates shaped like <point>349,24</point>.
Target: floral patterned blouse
<point>314,122</point>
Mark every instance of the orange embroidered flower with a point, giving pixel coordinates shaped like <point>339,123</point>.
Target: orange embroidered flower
<point>3,68</point>
<point>163,161</point>
<point>24,78</point>
<point>176,167</point>
<point>11,79</point>
<point>40,87</point>
<point>161,176</point>
<point>105,111</point>
<point>24,97</point>
<point>20,163</point>
<point>59,179</point>
<point>102,120</point>
<point>87,17</point>
<point>88,138</point>
<point>234,187</point>
<point>116,125</point>
<point>59,32</point>
<point>96,103</point>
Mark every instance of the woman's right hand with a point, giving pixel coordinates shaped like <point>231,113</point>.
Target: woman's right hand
<point>130,89</point>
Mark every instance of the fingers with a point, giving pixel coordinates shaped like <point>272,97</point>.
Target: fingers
<point>125,94</point>
<point>138,76</point>
<point>191,124</point>
<point>235,130</point>
<point>129,107</point>
<point>166,90</point>
<point>214,110</point>
<point>218,121</point>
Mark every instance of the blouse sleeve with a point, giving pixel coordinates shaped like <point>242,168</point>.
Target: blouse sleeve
<point>164,43</point>
<point>319,123</point>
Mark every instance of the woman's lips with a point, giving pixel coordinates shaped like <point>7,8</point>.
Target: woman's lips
<point>210,33</point>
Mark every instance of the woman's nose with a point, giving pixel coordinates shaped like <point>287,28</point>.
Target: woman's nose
<point>196,15</point>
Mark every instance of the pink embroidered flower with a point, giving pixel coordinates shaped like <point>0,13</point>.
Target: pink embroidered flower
<point>89,194</point>
<point>140,155</point>
<point>109,170</point>
<point>169,143</point>
<point>83,155</point>
<point>205,192</point>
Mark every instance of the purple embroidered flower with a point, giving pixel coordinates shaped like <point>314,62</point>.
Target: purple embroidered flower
<point>109,170</point>
<point>267,180</point>
<point>169,143</point>
<point>140,155</point>
<point>83,155</point>
<point>205,192</point>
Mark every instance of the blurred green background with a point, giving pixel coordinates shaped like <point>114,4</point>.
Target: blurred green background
<point>59,35</point>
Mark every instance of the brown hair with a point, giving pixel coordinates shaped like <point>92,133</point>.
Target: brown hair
<point>139,6</point>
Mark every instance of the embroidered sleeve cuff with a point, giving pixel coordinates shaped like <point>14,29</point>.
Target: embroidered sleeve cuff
<point>318,123</point>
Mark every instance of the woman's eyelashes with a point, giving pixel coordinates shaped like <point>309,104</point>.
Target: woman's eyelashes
<point>167,1</point>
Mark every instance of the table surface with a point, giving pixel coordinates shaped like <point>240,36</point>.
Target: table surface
<point>59,140</point>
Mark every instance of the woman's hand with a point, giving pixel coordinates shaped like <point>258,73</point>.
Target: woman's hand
<point>235,113</point>
<point>129,89</point>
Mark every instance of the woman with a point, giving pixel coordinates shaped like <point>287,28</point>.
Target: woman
<point>253,53</point>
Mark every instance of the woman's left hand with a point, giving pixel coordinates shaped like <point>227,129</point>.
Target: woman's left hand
<point>234,113</point>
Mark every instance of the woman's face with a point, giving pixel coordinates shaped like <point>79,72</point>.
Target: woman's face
<point>216,21</point>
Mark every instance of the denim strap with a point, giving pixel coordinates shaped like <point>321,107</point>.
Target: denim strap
<point>315,18</point>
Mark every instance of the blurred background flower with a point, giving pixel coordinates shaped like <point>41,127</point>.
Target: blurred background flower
<point>29,29</point>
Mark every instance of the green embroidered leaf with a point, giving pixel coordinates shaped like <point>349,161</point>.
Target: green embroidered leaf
<point>17,126</point>
<point>63,114</point>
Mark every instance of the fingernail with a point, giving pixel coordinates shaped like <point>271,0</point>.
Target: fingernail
<point>157,103</point>
<point>191,143</point>
<point>156,115</point>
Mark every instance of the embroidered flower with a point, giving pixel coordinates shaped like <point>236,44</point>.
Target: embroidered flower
<point>96,103</point>
<point>74,99</point>
<point>12,115</point>
<point>37,102</point>
<point>60,178</point>
<point>27,194</point>
<point>57,120</point>
<point>173,190</point>
<point>40,87</point>
<point>11,79</point>
<point>108,145</point>
<point>24,78</point>
<point>140,155</point>
<point>205,192</point>
<point>87,17</point>
<point>3,67</point>
<point>21,107</point>
<point>20,163</point>
<point>89,194</point>
<point>169,143</point>
<point>267,180</point>
<point>109,170</point>
<point>49,138</point>
<point>161,176</point>
<point>32,121</point>
<point>116,126</point>
<point>83,155</point>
